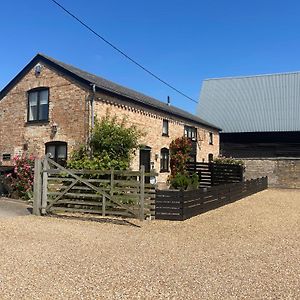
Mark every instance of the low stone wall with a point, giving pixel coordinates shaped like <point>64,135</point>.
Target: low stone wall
<point>281,172</point>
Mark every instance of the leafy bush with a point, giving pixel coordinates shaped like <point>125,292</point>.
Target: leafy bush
<point>184,181</point>
<point>180,181</point>
<point>111,146</point>
<point>21,179</point>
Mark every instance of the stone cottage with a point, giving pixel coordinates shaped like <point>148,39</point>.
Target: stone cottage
<point>49,107</point>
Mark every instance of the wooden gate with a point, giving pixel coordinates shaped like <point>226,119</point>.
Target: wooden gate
<point>109,192</point>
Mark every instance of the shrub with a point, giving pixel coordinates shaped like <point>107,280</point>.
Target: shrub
<point>180,181</point>
<point>180,150</point>
<point>184,181</point>
<point>111,146</point>
<point>21,179</point>
<point>228,160</point>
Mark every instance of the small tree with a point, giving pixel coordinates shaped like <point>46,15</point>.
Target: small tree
<point>112,145</point>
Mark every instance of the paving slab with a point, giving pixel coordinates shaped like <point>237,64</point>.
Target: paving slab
<point>13,208</point>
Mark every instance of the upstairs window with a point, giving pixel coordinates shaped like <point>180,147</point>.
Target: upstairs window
<point>165,130</point>
<point>164,160</point>
<point>38,105</point>
<point>211,138</point>
<point>190,132</point>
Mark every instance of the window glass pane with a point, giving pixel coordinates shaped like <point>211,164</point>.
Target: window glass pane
<point>211,138</point>
<point>33,98</point>
<point>165,127</point>
<point>51,150</point>
<point>43,101</point>
<point>164,162</point>
<point>43,96</point>
<point>43,112</point>
<point>61,151</point>
<point>32,106</point>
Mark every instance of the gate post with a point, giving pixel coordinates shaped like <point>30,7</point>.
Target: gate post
<point>45,186</point>
<point>142,192</point>
<point>37,187</point>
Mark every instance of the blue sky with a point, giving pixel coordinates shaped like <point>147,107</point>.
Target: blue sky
<point>183,42</point>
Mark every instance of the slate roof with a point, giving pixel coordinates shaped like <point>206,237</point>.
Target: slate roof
<point>262,103</point>
<point>109,86</point>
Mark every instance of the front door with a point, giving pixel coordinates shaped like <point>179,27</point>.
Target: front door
<point>145,160</point>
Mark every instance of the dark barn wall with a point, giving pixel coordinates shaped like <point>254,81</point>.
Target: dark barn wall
<point>260,144</point>
<point>272,154</point>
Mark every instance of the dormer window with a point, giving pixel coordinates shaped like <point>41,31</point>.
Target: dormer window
<point>38,105</point>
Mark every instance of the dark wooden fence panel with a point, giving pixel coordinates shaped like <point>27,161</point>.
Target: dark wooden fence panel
<point>211,174</point>
<point>181,205</point>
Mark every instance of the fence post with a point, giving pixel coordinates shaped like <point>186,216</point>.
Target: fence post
<point>112,178</point>
<point>182,206</point>
<point>103,205</point>
<point>45,185</point>
<point>212,173</point>
<point>142,192</point>
<point>37,186</point>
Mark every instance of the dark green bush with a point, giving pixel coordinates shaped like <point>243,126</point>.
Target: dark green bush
<point>112,145</point>
<point>184,181</point>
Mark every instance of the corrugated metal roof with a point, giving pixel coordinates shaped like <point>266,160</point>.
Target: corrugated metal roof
<point>252,103</point>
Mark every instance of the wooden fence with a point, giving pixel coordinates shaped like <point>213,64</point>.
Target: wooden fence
<point>110,192</point>
<point>212,174</point>
<point>181,205</point>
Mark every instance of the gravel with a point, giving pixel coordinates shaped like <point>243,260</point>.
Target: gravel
<point>246,250</point>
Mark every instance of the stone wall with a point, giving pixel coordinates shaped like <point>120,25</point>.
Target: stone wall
<point>281,172</point>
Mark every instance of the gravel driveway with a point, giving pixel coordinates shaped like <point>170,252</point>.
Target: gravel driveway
<point>249,249</point>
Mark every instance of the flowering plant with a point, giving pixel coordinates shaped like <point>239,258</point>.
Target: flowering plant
<point>180,150</point>
<point>21,178</point>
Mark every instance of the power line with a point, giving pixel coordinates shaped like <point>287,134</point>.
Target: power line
<point>122,52</point>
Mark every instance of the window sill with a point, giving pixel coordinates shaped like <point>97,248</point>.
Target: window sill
<point>164,171</point>
<point>32,123</point>
<point>165,134</point>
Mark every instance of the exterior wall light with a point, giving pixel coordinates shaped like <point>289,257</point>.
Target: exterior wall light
<point>54,128</point>
<point>37,70</point>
